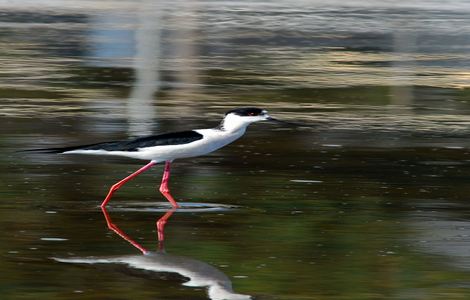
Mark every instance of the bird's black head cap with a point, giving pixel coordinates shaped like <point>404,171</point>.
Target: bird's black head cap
<point>247,111</point>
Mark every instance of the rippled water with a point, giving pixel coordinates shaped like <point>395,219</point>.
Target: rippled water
<point>368,200</point>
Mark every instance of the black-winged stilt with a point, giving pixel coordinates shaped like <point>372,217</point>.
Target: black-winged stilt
<point>170,146</point>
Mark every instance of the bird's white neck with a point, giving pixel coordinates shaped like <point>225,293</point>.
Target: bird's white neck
<point>233,123</point>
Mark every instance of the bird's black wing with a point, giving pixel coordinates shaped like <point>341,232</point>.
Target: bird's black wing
<point>174,138</point>
<point>166,139</point>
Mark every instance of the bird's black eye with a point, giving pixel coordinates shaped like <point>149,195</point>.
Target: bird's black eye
<point>251,114</point>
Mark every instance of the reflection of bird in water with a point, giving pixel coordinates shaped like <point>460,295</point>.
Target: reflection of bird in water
<point>170,146</point>
<point>199,273</point>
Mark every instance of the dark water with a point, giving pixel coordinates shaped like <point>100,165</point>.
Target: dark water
<point>369,203</point>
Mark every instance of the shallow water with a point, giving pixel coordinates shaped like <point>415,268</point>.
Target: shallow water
<point>368,200</point>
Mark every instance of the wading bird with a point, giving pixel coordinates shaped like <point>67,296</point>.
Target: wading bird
<point>170,146</point>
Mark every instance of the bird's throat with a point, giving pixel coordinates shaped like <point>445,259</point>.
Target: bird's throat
<point>233,124</point>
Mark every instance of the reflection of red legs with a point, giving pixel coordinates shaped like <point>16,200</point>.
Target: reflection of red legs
<point>117,185</point>
<point>120,232</point>
<point>161,226</point>
<point>160,229</point>
<point>164,185</point>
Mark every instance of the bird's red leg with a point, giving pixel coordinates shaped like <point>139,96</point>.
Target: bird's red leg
<point>121,233</point>
<point>118,184</point>
<point>164,186</point>
<point>161,227</point>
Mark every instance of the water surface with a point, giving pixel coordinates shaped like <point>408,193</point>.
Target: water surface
<point>370,201</point>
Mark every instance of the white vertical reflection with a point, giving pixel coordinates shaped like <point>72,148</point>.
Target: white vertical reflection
<point>403,62</point>
<point>140,108</point>
<point>184,52</point>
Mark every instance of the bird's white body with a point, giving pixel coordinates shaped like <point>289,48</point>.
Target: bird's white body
<point>212,140</point>
<point>232,128</point>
